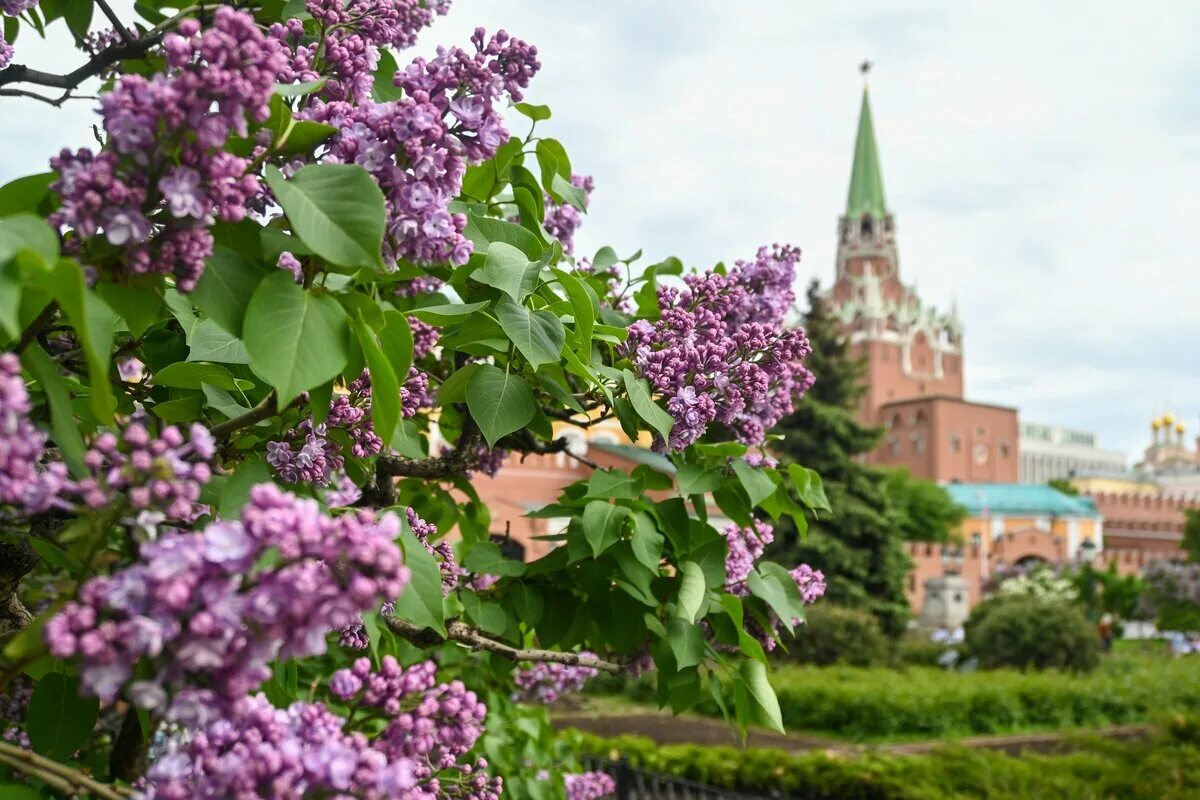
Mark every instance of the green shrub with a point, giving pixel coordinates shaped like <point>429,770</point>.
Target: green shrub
<point>837,635</point>
<point>1032,632</point>
<point>1165,765</point>
<point>916,649</point>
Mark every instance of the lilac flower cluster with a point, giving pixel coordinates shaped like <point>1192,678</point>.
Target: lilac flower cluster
<point>426,533</point>
<point>487,461</point>
<point>162,474</point>
<point>24,482</point>
<point>205,610</point>
<point>712,363</point>
<point>13,8</point>
<point>563,220</point>
<point>746,546</point>
<point>545,682</point>
<point>164,157</point>
<point>811,583</point>
<point>306,455</point>
<point>6,52</point>
<point>259,751</point>
<point>589,785</point>
<point>425,337</point>
<point>767,281</point>
<point>429,725</point>
<point>418,147</point>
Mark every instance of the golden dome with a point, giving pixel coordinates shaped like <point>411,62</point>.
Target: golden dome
<point>1180,427</point>
<point>1156,423</point>
<point>1168,418</point>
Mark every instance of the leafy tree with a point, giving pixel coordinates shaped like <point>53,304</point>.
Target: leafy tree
<point>925,511</point>
<point>1191,534</point>
<point>1063,485</point>
<point>230,332</point>
<point>859,545</point>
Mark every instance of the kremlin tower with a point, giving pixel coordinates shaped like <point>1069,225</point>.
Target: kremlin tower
<point>913,352</point>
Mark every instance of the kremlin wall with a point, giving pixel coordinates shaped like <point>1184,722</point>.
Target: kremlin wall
<point>915,364</point>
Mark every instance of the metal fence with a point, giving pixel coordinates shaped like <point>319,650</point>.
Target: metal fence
<point>639,784</point>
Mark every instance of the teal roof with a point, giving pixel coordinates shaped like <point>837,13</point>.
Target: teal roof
<point>1019,499</point>
<point>866,177</point>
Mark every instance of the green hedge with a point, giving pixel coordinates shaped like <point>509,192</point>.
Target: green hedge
<point>1164,767</point>
<point>921,702</point>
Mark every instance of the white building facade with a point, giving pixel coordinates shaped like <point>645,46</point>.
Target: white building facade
<point>1050,452</point>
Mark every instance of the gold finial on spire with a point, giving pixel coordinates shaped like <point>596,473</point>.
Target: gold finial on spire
<point>864,68</point>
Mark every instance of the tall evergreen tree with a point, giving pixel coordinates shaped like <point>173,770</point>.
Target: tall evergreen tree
<point>860,545</point>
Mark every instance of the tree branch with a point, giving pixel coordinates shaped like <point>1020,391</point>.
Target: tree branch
<point>34,328</point>
<point>122,31</point>
<point>456,462</point>
<point>264,410</point>
<point>464,634</point>
<point>526,443</point>
<point>60,777</point>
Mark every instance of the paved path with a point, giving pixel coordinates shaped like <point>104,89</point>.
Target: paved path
<point>664,728</point>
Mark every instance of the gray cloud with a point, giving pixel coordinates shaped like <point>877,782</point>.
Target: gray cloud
<point>1041,161</point>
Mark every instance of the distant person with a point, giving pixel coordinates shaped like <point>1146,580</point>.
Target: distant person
<point>1180,646</point>
<point>1105,629</point>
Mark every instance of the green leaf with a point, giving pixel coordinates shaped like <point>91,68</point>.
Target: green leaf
<point>139,307</point>
<point>224,290</point>
<point>382,90</point>
<point>29,194</point>
<point>20,791</point>
<point>779,592</point>
<point>30,236</point>
<point>499,402</point>
<point>94,322</point>
<point>397,343</point>
<point>539,335</point>
<point>210,342</point>
<point>485,231</point>
<point>755,481</point>
<point>236,491</point>
<point>754,674</point>
<point>296,339</point>
<point>182,409</point>
<point>421,601</point>
<point>602,524</point>
<point>553,160</point>
<point>605,257</point>
<point>454,388</point>
<point>686,642</point>
<point>691,590</point>
<point>647,542</point>
<point>299,89</point>
<point>647,409</point>
<point>509,270</point>
<point>220,400</point>
<point>445,313</point>
<point>582,308</point>
<point>62,418</point>
<point>337,210</point>
<point>188,375</point>
<point>385,386</point>
<point>527,602</point>
<point>808,484</point>
<point>58,720</point>
<point>695,479</point>
<point>303,137</point>
<point>535,113</point>
<point>569,192</point>
<point>485,557</point>
<point>614,484</point>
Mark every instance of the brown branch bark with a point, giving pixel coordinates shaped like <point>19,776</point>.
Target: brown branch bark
<point>456,462</point>
<point>17,559</point>
<point>264,410</point>
<point>35,327</point>
<point>464,634</point>
<point>60,777</point>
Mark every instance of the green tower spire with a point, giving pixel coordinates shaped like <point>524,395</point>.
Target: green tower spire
<point>866,178</point>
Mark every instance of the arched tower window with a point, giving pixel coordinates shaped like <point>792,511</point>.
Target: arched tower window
<point>866,228</point>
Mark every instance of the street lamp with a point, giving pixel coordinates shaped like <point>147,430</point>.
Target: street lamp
<point>1086,551</point>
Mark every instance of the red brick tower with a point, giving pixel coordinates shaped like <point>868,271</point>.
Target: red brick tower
<point>914,352</point>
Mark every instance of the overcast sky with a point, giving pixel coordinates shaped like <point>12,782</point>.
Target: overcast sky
<point>1042,165</point>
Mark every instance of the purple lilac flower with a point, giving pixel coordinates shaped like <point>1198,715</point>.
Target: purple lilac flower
<point>441,550</point>
<point>6,52</point>
<point>589,785</point>
<point>563,220</point>
<point>345,494</point>
<point>164,148</point>
<point>164,473</point>
<point>418,147</point>
<point>13,8</point>
<point>425,337</point>
<point>546,682</point>
<point>811,583</point>
<point>746,546</point>
<point>24,481</point>
<point>713,364</point>
<point>200,612</point>
<point>291,264</point>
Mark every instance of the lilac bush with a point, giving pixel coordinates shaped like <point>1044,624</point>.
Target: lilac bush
<point>260,344</point>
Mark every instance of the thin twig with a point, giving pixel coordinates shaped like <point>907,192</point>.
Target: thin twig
<point>464,634</point>
<point>58,776</point>
<point>112,17</point>
<point>456,462</point>
<point>57,102</point>
<point>34,328</point>
<point>264,410</point>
